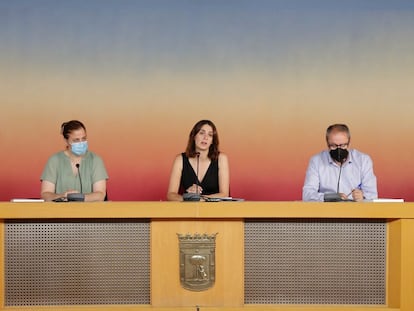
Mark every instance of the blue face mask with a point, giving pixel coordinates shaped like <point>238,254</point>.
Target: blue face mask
<point>79,148</point>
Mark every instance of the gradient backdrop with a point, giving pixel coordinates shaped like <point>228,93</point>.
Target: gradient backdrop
<point>272,75</point>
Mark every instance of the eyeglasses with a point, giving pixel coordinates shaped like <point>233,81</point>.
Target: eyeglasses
<point>334,146</point>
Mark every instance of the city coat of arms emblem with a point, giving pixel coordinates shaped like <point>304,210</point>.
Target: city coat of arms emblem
<point>197,261</point>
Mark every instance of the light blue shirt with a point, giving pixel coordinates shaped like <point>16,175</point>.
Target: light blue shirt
<point>323,173</point>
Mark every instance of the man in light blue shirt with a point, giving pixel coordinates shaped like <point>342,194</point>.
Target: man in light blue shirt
<point>339,172</point>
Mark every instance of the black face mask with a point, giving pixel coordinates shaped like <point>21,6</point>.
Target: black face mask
<point>339,155</point>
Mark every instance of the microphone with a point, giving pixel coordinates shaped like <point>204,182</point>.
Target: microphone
<point>342,156</point>
<point>194,196</point>
<point>339,178</point>
<point>80,179</point>
<point>198,165</point>
<point>80,197</point>
<point>339,155</point>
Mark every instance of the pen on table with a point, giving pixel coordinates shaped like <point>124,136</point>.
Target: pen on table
<point>357,187</point>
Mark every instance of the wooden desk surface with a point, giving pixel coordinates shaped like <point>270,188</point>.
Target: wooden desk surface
<point>206,210</point>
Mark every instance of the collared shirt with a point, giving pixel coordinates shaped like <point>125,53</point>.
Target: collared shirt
<point>326,176</point>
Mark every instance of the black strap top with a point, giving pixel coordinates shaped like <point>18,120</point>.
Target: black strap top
<point>210,182</point>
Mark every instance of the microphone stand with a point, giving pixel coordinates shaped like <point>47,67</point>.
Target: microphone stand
<point>335,197</point>
<point>194,196</point>
<point>197,181</point>
<point>79,175</point>
<point>339,178</point>
<point>79,197</point>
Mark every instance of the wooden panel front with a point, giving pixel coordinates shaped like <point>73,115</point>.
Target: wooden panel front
<point>170,218</point>
<point>394,263</point>
<point>2,263</point>
<point>407,264</point>
<point>166,289</point>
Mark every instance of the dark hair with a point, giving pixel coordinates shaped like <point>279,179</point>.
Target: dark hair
<point>338,128</point>
<point>214,147</point>
<point>68,127</point>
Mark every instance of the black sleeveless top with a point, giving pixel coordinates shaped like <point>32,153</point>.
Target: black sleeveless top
<point>210,182</point>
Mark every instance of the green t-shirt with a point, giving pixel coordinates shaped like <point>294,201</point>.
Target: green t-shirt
<point>58,170</point>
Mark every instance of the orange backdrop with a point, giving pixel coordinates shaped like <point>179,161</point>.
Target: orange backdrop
<point>271,76</point>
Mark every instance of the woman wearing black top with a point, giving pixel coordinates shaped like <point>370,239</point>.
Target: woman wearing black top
<point>202,158</point>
